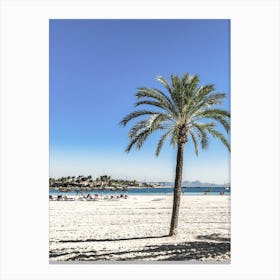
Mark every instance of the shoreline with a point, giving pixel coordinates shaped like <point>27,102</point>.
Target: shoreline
<point>134,192</point>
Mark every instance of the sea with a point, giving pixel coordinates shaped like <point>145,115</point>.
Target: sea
<point>152,191</point>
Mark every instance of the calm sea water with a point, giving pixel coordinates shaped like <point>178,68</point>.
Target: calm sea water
<point>153,191</point>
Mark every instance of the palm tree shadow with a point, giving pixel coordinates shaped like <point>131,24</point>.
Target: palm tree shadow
<point>111,239</point>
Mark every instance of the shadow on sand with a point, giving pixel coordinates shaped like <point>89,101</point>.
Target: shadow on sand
<point>111,240</point>
<point>213,237</point>
<point>184,251</point>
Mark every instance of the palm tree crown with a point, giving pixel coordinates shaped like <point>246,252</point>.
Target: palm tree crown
<point>188,110</point>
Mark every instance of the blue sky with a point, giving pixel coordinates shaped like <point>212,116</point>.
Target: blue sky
<point>96,67</point>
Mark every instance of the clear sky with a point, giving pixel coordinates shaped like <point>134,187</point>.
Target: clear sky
<point>96,67</point>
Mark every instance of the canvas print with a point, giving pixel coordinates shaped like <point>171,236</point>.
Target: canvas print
<point>139,141</point>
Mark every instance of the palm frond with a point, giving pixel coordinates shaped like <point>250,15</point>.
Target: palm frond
<point>142,129</point>
<point>214,99</point>
<point>190,84</point>
<point>220,136</point>
<point>203,91</point>
<point>165,84</point>
<point>164,101</point>
<point>154,103</point>
<point>207,101</point>
<point>140,125</point>
<point>196,105</point>
<point>194,142</point>
<point>224,122</point>
<point>137,114</point>
<point>220,116</point>
<point>211,112</point>
<point>138,139</point>
<point>201,131</point>
<point>161,142</point>
<point>177,93</point>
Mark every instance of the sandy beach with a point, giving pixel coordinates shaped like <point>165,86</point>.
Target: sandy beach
<point>135,229</point>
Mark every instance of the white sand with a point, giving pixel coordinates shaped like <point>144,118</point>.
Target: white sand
<point>116,230</point>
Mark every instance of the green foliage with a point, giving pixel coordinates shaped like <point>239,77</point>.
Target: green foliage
<point>104,178</point>
<point>187,109</point>
<point>87,181</point>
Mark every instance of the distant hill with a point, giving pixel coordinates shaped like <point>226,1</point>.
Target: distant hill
<point>192,184</point>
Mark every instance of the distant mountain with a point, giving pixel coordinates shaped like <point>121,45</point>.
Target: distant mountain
<point>192,184</point>
<point>200,184</point>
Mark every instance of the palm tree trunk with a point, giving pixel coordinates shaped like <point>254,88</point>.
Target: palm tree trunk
<point>177,190</point>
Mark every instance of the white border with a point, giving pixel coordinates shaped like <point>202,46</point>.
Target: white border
<point>255,137</point>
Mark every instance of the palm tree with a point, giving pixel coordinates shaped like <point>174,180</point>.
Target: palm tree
<point>187,111</point>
